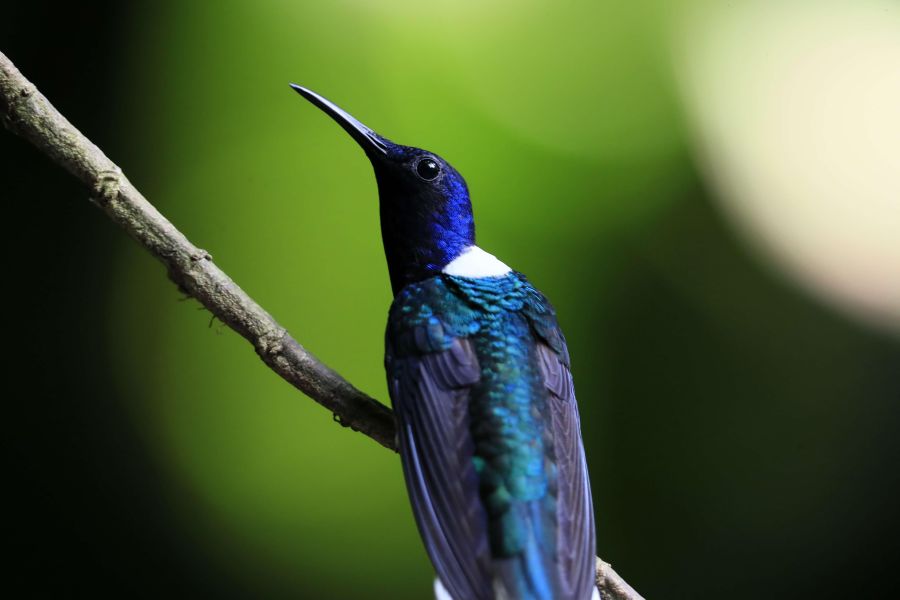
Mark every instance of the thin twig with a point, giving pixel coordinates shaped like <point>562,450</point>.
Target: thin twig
<point>27,113</point>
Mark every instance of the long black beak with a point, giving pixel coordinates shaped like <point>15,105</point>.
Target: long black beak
<point>365,137</point>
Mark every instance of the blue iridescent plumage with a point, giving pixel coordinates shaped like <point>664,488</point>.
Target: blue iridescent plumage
<point>478,371</point>
<point>480,365</point>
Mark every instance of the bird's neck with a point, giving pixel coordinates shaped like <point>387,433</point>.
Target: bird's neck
<point>415,252</point>
<point>413,263</point>
<point>424,227</point>
<point>421,238</point>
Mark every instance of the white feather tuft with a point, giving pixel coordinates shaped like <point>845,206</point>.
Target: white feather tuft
<point>475,262</point>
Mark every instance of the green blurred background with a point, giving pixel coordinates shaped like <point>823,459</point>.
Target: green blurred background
<point>739,400</point>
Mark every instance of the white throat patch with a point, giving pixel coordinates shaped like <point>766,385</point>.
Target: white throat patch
<point>475,262</point>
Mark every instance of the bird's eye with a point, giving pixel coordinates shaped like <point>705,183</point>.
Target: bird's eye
<point>428,169</point>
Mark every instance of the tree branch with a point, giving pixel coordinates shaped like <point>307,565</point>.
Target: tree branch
<point>27,113</point>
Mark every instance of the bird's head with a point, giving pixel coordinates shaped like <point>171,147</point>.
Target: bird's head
<point>426,215</point>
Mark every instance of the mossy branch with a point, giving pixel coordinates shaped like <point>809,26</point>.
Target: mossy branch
<point>27,113</point>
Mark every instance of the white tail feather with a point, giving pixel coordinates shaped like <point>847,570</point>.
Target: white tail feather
<point>440,592</point>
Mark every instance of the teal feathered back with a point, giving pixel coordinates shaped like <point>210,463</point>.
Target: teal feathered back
<point>474,351</point>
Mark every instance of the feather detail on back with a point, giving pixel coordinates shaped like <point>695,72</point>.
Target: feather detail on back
<point>489,439</point>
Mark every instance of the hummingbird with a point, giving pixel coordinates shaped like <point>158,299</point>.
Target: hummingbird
<point>479,378</point>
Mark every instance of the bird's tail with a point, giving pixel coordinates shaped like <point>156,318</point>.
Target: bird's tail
<point>532,573</point>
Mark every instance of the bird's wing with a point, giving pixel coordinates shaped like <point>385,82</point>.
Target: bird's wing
<point>575,535</point>
<point>432,368</point>
<point>430,393</point>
